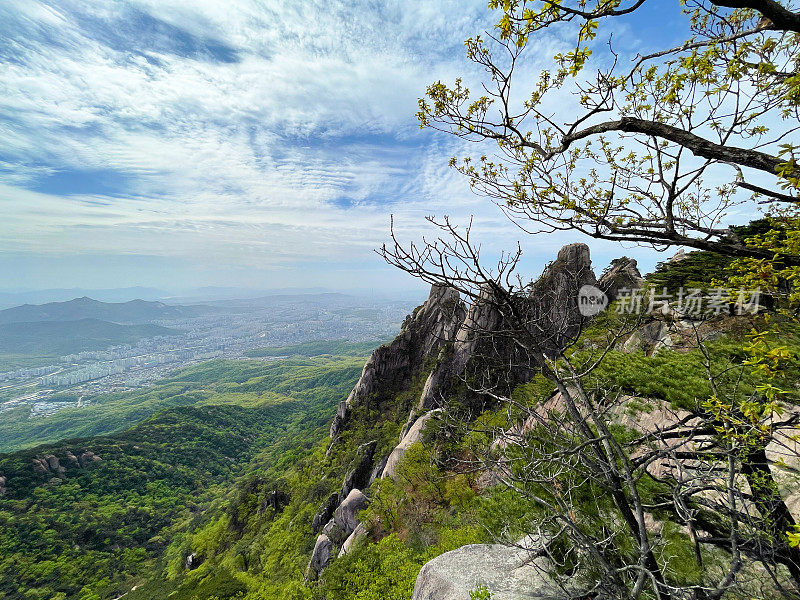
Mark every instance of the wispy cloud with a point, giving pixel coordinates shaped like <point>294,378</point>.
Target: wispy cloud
<point>260,133</point>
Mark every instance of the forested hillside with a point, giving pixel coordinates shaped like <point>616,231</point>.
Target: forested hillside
<point>243,383</point>
<point>90,517</point>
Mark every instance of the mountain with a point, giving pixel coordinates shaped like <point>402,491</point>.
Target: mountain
<point>412,481</point>
<point>90,517</point>
<point>134,311</point>
<point>56,338</point>
<point>15,298</point>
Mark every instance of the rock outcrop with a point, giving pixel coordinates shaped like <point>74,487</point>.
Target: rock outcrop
<point>359,474</point>
<point>48,464</point>
<point>346,515</point>
<point>550,311</point>
<point>623,274</point>
<point>87,458</point>
<point>390,368</point>
<point>51,464</point>
<point>507,572</point>
<point>320,557</point>
<point>554,314</point>
<point>192,562</point>
<point>414,435</point>
<point>2,486</point>
<point>325,512</point>
<point>359,532</point>
<point>458,345</point>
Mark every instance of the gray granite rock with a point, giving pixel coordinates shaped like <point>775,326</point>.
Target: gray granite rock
<point>391,367</point>
<point>346,516</point>
<point>319,557</point>
<point>509,573</point>
<point>414,435</point>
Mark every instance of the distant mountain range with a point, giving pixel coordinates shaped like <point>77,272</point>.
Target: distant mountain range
<point>134,311</point>
<point>15,298</point>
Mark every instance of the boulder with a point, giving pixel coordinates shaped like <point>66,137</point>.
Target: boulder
<point>2,486</point>
<point>320,557</point>
<point>359,532</point>
<point>52,462</point>
<point>509,573</point>
<point>40,466</point>
<point>650,337</point>
<point>360,469</point>
<point>414,435</point>
<point>192,561</point>
<point>72,458</point>
<point>390,368</point>
<point>87,458</point>
<point>346,516</point>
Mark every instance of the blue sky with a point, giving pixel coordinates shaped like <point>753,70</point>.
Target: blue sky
<point>259,144</point>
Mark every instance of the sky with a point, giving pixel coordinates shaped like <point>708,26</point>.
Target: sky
<point>249,143</point>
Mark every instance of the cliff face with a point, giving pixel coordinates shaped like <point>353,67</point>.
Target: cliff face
<point>390,368</point>
<point>465,341</point>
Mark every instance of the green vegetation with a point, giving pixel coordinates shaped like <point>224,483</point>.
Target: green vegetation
<point>90,531</point>
<point>95,531</point>
<point>10,361</point>
<point>317,348</point>
<point>241,383</point>
<point>705,270</point>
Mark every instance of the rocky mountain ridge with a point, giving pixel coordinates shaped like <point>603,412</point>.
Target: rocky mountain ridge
<point>451,342</point>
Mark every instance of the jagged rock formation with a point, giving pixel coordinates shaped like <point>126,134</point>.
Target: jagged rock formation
<point>507,572</point>
<point>414,435</point>
<point>390,367</point>
<point>460,343</point>
<point>622,275</point>
<point>550,310</point>
<point>325,512</point>
<point>359,474</point>
<point>554,298</point>
<point>2,486</point>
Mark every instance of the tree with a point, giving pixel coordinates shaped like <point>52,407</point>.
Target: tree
<point>639,152</point>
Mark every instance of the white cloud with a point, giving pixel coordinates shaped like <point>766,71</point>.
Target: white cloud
<point>294,153</point>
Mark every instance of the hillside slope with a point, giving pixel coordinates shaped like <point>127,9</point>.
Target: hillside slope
<point>57,338</point>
